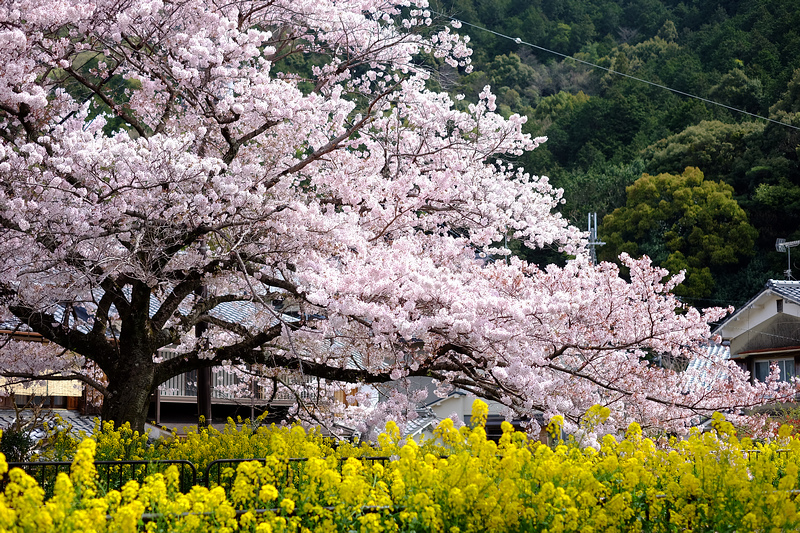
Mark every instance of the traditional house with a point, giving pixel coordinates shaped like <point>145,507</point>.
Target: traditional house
<point>766,331</point>
<point>67,394</point>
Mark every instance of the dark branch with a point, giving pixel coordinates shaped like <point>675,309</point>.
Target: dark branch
<point>334,143</point>
<point>92,347</point>
<point>120,112</point>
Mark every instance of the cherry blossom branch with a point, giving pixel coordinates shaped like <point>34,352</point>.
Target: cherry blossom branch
<point>119,111</point>
<point>334,143</point>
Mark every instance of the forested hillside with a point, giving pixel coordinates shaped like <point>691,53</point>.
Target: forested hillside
<point>716,187</point>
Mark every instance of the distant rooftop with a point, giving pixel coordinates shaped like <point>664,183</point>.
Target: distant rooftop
<point>789,289</point>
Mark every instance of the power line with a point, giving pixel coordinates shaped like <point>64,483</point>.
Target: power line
<point>611,71</point>
<point>736,302</point>
<point>764,333</point>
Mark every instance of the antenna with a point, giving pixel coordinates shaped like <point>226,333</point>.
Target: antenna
<point>782,246</point>
<point>593,242</point>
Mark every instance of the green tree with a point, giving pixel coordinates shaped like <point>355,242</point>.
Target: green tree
<point>722,151</point>
<point>551,107</point>
<point>775,181</point>
<point>609,125</point>
<point>738,90</point>
<point>787,110</point>
<point>601,189</point>
<point>683,222</point>
<point>668,32</point>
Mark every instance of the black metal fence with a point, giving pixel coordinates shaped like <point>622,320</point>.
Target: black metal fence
<point>112,475</point>
<point>221,472</point>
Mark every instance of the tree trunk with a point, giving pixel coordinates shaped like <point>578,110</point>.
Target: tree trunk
<point>128,398</point>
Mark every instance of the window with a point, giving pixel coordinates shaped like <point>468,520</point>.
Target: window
<point>21,400</point>
<point>786,366</point>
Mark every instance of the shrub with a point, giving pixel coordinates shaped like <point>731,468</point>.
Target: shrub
<point>16,444</point>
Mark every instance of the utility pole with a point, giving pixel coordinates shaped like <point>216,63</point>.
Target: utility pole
<point>593,242</point>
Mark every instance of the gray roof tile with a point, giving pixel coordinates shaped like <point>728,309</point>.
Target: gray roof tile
<point>789,290</point>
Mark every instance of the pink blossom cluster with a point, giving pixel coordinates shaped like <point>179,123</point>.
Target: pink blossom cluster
<point>160,161</point>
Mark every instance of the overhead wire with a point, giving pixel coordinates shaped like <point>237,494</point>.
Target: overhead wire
<point>519,41</point>
<point>615,72</point>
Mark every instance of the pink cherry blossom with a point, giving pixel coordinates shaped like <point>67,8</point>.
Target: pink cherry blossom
<point>289,150</point>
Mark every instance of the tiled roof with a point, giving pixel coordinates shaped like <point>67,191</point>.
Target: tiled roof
<point>14,325</point>
<point>425,419</point>
<point>76,420</point>
<point>697,371</point>
<point>789,290</point>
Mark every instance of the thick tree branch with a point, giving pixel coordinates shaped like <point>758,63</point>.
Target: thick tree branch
<point>235,144</point>
<point>91,346</point>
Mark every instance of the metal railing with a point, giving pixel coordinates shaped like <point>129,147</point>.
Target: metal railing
<point>111,475</point>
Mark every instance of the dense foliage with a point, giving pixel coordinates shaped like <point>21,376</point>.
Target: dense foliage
<point>605,130</point>
<point>461,483</point>
<point>684,222</point>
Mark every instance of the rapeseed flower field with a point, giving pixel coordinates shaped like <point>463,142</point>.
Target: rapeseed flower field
<point>461,482</point>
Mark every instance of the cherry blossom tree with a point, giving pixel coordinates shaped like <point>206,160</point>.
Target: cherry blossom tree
<point>162,161</point>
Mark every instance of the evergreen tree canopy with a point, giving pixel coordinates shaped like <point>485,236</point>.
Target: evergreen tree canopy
<point>683,222</point>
